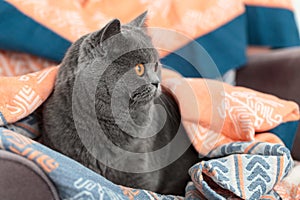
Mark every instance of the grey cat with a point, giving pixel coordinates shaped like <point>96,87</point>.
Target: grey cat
<point>123,101</point>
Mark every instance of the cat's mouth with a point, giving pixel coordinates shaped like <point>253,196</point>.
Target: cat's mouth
<point>143,96</point>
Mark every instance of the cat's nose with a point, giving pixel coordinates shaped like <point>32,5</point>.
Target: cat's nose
<point>156,84</point>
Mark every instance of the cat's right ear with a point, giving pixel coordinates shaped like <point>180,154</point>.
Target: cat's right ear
<point>97,38</point>
<point>139,21</point>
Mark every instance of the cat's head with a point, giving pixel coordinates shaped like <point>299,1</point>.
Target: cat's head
<point>130,63</point>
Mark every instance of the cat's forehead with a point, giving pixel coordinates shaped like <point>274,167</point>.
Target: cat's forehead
<point>132,40</point>
<point>136,37</point>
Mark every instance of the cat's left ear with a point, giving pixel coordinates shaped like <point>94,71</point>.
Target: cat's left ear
<point>109,30</point>
<point>139,21</point>
<point>95,40</point>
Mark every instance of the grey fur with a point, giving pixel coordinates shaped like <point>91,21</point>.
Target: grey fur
<point>139,21</point>
<point>61,134</point>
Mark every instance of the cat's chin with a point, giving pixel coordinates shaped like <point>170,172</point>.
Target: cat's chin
<point>146,100</point>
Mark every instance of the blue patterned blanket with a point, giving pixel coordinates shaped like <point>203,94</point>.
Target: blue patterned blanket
<point>247,170</point>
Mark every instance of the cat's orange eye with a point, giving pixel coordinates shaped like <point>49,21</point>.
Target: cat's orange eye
<point>139,69</point>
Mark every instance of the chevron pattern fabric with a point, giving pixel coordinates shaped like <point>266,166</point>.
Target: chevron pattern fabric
<point>248,170</point>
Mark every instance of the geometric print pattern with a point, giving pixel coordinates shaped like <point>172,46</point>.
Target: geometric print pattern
<point>249,175</point>
<point>28,126</point>
<point>248,170</point>
<point>29,91</point>
<point>25,95</point>
<point>72,180</point>
<point>227,113</point>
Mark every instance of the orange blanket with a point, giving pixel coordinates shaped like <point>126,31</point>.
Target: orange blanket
<point>215,113</point>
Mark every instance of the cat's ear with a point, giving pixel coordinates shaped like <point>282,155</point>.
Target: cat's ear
<point>95,40</point>
<point>139,21</point>
<point>110,29</point>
